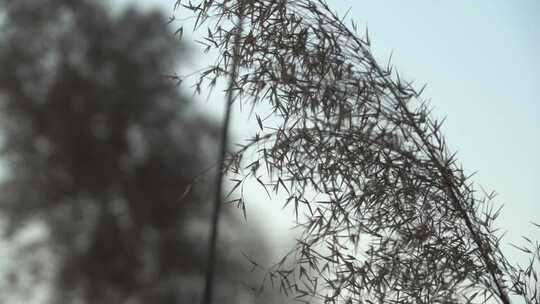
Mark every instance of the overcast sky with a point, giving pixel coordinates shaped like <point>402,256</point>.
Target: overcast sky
<point>479,60</point>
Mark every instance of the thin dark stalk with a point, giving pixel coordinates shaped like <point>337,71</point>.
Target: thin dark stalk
<point>211,265</point>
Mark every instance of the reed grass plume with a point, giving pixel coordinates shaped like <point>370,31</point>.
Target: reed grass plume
<point>395,218</point>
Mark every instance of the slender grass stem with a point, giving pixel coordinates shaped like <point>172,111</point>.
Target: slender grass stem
<point>211,264</point>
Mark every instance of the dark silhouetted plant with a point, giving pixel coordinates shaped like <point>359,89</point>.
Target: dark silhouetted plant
<point>390,216</point>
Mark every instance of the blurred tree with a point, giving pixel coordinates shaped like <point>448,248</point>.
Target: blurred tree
<point>100,147</point>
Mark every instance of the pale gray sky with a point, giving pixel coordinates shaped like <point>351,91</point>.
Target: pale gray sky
<point>479,59</point>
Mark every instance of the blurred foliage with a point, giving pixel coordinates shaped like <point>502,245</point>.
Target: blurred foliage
<point>100,148</point>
